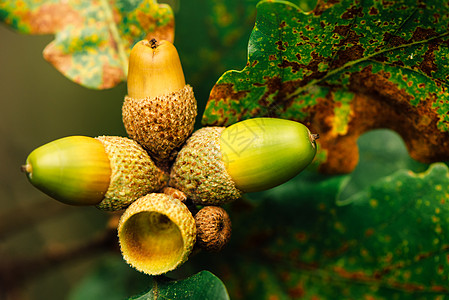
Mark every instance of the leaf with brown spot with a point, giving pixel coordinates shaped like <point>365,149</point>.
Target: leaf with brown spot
<point>343,69</point>
<point>92,38</point>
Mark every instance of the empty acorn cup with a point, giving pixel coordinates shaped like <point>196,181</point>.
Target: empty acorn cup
<point>156,233</point>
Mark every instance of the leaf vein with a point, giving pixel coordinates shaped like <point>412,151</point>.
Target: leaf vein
<point>357,61</point>
<point>116,36</point>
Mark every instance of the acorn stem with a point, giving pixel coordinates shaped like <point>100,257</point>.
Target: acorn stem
<point>177,194</point>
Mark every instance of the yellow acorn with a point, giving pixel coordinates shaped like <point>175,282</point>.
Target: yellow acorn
<point>156,233</point>
<point>109,172</point>
<point>218,164</point>
<point>160,108</point>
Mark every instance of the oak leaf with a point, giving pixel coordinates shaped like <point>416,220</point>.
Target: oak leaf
<point>343,69</point>
<point>92,38</point>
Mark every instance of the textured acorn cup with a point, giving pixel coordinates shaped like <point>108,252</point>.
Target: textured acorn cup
<point>213,227</point>
<point>134,173</point>
<point>160,108</point>
<point>156,234</point>
<point>217,164</point>
<point>109,172</point>
<point>199,172</point>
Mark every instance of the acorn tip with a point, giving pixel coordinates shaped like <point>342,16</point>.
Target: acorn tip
<point>26,168</point>
<point>153,43</point>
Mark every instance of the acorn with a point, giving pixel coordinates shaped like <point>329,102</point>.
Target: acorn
<point>160,109</point>
<point>217,164</point>
<point>109,172</point>
<point>156,233</point>
<point>213,227</point>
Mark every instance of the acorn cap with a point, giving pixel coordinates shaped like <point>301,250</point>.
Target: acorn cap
<point>213,227</point>
<point>134,174</point>
<point>74,170</point>
<point>262,153</point>
<point>163,123</point>
<point>156,234</point>
<point>199,171</point>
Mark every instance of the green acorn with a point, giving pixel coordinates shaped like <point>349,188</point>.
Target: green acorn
<point>160,108</point>
<point>109,172</point>
<point>217,164</point>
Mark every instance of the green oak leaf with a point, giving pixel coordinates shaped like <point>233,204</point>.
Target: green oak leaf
<point>203,285</point>
<point>347,67</point>
<point>92,38</point>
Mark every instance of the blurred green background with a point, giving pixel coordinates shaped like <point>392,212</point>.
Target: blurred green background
<point>39,105</point>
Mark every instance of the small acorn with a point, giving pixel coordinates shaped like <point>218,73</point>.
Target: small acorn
<point>213,227</point>
<point>217,164</point>
<point>160,108</point>
<point>156,233</point>
<point>109,172</point>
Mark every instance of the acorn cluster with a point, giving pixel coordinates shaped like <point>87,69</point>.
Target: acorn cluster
<point>169,182</point>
